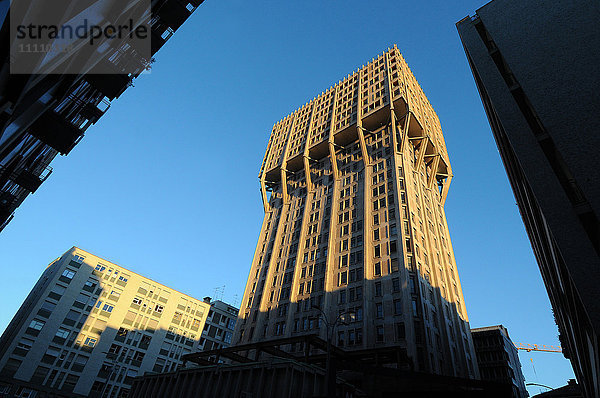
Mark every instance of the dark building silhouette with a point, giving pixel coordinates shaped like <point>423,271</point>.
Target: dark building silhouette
<point>42,115</point>
<point>270,370</point>
<point>571,390</point>
<point>536,65</point>
<point>498,359</point>
<point>219,325</point>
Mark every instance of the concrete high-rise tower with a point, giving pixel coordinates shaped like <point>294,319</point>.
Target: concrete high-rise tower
<point>353,185</point>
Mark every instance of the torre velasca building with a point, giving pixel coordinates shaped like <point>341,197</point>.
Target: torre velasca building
<point>353,185</point>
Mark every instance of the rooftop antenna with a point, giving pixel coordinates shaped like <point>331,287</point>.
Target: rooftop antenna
<point>219,291</point>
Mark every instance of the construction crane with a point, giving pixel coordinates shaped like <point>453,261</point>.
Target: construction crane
<point>536,347</point>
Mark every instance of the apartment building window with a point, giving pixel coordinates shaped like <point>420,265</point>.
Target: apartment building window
<point>377,270</point>
<point>37,324</point>
<point>23,346</point>
<point>415,308</point>
<point>408,245</point>
<point>393,246</point>
<point>376,234</point>
<point>358,313</point>
<point>377,250</point>
<point>396,284</point>
<point>90,342</point>
<point>378,290</point>
<point>413,284</point>
<point>397,307</point>
<point>67,276</point>
<point>400,331</point>
<point>62,333</point>
<point>344,245</point>
<point>57,292</point>
<point>108,308</point>
<point>380,333</point>
<point>344,261</point>
<point>379,310</point>
<point>90,285</point>
<point>343,278</point>
<point>359,293</point>
<point>100,267</point>
<point>46,308</point>
<point>82,299</point>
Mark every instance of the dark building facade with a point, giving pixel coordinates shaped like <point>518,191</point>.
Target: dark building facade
<point>498,359</point>
<point>272,371</point>
<point>536,66</point>
<point>219,325</point>
<point>42,115</point>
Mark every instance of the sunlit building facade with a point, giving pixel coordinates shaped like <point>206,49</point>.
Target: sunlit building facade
<point>353,185</point>
<point>89,327</point>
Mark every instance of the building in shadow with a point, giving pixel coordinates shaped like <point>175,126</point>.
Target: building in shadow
<point>272,369</point>
<point>90,326</point>
<point>536,68</point>
<point>219,325</point>
<point>46,113</point>
<point>571,390</point>
<point>498,358</point>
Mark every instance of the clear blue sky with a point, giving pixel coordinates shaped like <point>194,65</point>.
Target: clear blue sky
<point>166,183</point>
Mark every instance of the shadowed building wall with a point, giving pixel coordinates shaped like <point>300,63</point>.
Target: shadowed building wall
<point>536,66</point>
<point>353,186</point>
<point>43,115</point>
<point>219,325</point>
<point>498,359</point>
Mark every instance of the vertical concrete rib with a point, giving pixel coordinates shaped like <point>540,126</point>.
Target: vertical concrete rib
<point>305,214</point>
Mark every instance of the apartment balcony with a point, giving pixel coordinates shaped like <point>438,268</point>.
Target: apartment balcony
<point>7,206</point>
<point>174,13</point>
<point>54,130</point>
<point>31,180</point>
